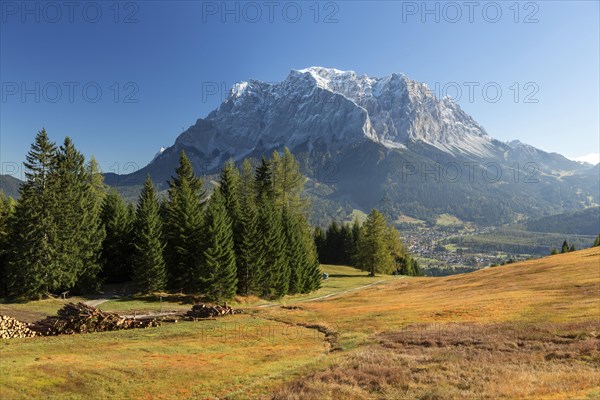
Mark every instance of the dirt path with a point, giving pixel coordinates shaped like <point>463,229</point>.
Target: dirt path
<point>97,302</point>
<point>327,295</point>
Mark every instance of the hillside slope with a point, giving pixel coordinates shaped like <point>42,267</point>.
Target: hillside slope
<point>583,222</point>
<point>528,330</point>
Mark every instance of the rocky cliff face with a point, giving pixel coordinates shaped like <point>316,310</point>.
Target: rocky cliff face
<point>356,134</point>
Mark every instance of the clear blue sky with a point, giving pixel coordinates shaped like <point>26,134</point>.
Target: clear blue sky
<point>171,53</point>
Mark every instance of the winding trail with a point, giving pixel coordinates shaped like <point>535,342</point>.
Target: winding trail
<point>327,295</point>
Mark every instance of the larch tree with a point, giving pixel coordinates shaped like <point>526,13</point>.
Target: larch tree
<point>374,251</point>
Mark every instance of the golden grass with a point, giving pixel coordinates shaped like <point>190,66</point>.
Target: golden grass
<point>549,297</point>
<point>531,332</point>
<point>454,361</point>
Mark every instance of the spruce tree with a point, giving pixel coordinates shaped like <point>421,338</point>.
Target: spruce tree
<point>79,239</point>
<point>321,243</point>
<point>183,216</point>
<point>149,272</point>
<point>250,259</point>
<point>357,232</point>
<point>313,278</point>
<point>296,254</point>
<point>117,246</point>
<point>92,232</point>
<point>7,207</point>
<point>219,276</point>
<point>334,244</point>
<point>276,273</point>
<point>565,247</point>
<point>597,241</point>
<point>347,244</point>
<point>32,268</point>
<point>229,183</point>
<point>263,181</point>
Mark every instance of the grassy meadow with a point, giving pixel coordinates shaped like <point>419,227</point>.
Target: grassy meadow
<point>527,330</point>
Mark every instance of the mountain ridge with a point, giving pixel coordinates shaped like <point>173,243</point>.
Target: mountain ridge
<point>366,140</point>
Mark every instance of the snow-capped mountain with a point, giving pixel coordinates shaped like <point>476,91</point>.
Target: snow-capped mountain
<point>332,109</point>
<point>368,128</point>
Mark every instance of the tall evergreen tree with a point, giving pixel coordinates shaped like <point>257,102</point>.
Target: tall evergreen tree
<point>357,232</point>
<point>276,273</point>
<point>564,247</point>
<point>321,243</point>
<point>93,233</point>
<point>117,246</point>
<point>347,245</point>
<point>7,207</point>
<point>250,259</point>
<point>263,181</point>
<point>229,187</point>
<point>374,254</point>
<point>80,235</point>
<point>334,252</point>
<point>296,254</point>
<point>149,272</point>
<point>183,215</point>
<point>32,262</point>
<point>219,276</point>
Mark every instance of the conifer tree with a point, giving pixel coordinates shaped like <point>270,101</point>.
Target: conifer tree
<point>250,259</point>
<point>117,246</point>
<point>374,254</point>
<point>572,248</point>
<point>32,264</point>
<point>183,216</point>
<point>149,272</point>
<point>92,230</point>
<point>347,242</point>
<point>320,243</point>
<point>7,207</point>
<point>79,237</point>
<point>229,187</point>
<point>263,181</point>
<point>334,244</point>
<point>219,276</point>
<point>357,232</point>
<point>296,254</point>
<point>276,272</point>
<point>288,183</point>
<point>597,241</point>
<point>564,247</point>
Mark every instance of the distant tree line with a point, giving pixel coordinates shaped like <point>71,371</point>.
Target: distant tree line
<point>68,231</point>
<point>374,246</point>
<point>565,248</point>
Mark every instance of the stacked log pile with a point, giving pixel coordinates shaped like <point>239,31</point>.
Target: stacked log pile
<point>201,310</point>
<point>80,318</point>
<point>11,328</point>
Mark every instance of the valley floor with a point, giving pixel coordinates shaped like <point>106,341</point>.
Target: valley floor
<point>525,330</point>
